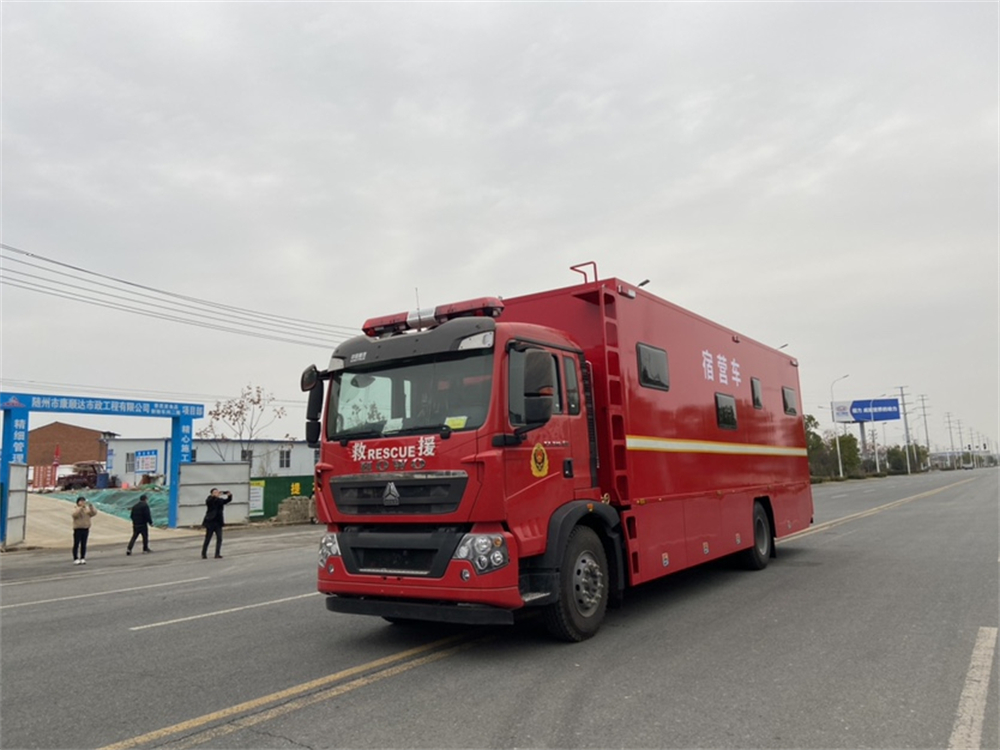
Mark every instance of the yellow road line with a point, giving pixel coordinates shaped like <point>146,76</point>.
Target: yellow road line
<point>870,512</point>
<point>286,708</point>
<point>281,695</point>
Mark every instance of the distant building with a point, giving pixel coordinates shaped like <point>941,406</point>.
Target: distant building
<point>73,443</point>
<point>130,459</point>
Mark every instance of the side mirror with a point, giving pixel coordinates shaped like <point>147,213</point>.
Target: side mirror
<point>309,379</point>
<point>539,373</point>
<point>311,384</point>
<point>314,407</point>
<point>537,409</point>
<point>539,386</point>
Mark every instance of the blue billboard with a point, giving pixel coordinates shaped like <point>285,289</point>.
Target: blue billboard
<point>867,410</point>
<point>112,407</point>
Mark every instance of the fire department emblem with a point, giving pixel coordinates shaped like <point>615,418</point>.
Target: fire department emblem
<point>539,461</point>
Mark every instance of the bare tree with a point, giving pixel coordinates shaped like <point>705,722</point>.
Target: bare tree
<point>239,421</point>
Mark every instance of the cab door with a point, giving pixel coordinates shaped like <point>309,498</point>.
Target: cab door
<point>551,466</point>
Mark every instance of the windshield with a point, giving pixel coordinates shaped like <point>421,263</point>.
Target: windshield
<point>412,396</point>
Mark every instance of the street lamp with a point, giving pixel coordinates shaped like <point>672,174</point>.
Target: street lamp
<point>840,461</point>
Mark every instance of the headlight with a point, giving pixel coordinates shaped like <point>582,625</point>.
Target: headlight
<point>481,544</point>
<point>329,547</point>
<point>486,552</point>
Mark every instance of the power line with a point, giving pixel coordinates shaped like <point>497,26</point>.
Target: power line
<point>145,299</point>
<point>211,303</point>
<point>260,325</point>
<point>171,318</point>
<point>173,313</point>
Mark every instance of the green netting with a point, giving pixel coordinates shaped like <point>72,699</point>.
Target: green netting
<point>119,502</point>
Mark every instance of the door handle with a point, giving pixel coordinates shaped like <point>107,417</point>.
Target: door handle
<point>568,468</point>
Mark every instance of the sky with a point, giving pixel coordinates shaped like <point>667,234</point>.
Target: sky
<point>817,175</point>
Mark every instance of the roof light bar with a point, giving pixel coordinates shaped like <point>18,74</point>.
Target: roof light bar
<point>484,307</point>
<point>385,324</point>
<point>416,320</point>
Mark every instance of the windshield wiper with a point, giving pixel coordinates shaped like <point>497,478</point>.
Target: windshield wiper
<point>442,428</point>
<point>357,434</point>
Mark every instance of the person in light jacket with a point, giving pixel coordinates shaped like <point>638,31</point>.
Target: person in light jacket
<point>82,514</point>
<point>142,519</point>
<point>215,519</point>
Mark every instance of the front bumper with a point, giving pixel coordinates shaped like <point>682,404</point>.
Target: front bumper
<point>464,614</point>
<point>444,588</point>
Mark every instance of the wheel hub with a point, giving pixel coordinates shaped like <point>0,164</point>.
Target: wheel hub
<point>588,584</point>
<point>760,536</point>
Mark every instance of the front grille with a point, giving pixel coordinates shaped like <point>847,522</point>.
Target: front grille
<point>431,493</point>
<point>389,561</point>
<point>423,551</point>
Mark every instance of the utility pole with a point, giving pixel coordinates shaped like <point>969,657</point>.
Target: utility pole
<point>961,442</point>
<point>927,435</point>
<point>833,417</point>
<point>951,439</point>
<point>906,426</point>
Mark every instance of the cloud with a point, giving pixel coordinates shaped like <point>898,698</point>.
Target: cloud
<point>822,175</point>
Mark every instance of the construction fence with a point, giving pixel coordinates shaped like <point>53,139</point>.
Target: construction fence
<point>266,496</point>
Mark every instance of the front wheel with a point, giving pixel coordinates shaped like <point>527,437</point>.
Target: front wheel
<point>579,609</point>
<point>757,557</point>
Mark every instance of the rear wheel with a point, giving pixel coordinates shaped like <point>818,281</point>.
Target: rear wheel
<point>579,609</point>
<point>757,557</point>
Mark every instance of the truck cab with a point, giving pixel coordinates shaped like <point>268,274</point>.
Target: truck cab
<point>450,441</point>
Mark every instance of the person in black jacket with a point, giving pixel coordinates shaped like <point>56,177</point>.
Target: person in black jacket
<point>215,519</point>
<point>142,519</point>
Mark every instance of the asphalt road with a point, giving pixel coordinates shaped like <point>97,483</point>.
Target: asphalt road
<point>875,628</point>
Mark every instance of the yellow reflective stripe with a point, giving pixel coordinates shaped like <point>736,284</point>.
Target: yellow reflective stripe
<point>664,445</point>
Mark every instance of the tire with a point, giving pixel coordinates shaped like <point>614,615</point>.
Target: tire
<point>759,554</point>
<point>579,609</point>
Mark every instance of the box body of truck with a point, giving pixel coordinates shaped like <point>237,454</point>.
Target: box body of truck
<point>548,451</point>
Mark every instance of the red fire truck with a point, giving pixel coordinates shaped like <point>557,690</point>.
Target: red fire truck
<point>547,451</point>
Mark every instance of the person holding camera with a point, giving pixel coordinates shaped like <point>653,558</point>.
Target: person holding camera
<point>215,519</point>
<point>82,514</point>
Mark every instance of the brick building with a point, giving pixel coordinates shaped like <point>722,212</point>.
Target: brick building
<point>75,444</point>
